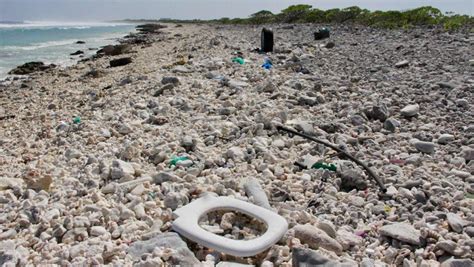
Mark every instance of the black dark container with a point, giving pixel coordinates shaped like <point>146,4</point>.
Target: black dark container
<point>321,34</point>
<point>267,40</point>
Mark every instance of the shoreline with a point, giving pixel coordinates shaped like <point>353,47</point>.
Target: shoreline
<point>95,159</point>
<point>138,22</point>
<point>68,59</point>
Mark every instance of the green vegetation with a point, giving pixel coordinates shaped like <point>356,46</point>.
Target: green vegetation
<point>261,17</point>
<point>293,13</point>
<point>422,16</point>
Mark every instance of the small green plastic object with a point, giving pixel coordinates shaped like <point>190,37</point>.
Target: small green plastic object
<point>175,160</point>
<point>76,120</point>
<point>239,60</point>
<point>152,195</point>
<point>320,165</point>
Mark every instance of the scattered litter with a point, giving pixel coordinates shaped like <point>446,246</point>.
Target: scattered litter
<point>120,62</point>
<point>320,165</point>
<point>175,160</point>
<point>238,54</point>
<point>321,34</point>
<point>239,60</point>
<point>397,161</point>
<point>387,209</point>
<point>267,64</point>
<point>360,233</point>
<point>76,120</point>
<point>254,189</point>
<point>267,40</point>
<point>219,77</point>
<point>358,162</point>
<point>62,126</point>
<point>187,225</point>
<point>181,61</point>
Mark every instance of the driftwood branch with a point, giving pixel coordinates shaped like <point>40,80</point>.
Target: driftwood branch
<point>319,141</point>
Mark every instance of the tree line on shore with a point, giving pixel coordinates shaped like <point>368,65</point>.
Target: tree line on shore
<point>422,16</point>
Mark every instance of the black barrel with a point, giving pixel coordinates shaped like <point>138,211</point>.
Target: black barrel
<point>267,40</point>
<point>321,34</point>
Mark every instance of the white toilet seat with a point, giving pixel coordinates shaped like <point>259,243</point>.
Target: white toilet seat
<point>188,217</point>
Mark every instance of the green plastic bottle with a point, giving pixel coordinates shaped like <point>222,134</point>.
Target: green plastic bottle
<point>175,160</point>
<point>76,120</point>
<point>320,165</point>
<point>239,60</point>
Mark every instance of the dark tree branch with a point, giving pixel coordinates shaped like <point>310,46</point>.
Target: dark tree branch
<point>358,162</point>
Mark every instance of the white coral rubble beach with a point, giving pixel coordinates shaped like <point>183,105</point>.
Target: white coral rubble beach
<point>95,159</point>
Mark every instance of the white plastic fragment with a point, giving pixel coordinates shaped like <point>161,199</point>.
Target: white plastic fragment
<point>187,225</point>
<point>254,190</point>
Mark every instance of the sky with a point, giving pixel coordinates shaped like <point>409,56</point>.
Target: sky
<point>101,10</point>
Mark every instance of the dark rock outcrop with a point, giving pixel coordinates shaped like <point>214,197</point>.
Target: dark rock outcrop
<point>150,28</point>
<point>330,45</point>
<point>136,39</point>
<point>78,52</point>
<point>169,79</point>
<point>115,50</point>
<point>31,67</point>
<point>94,73</point>
<point>120,61</point>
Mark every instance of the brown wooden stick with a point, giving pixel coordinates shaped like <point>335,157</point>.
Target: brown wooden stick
<point>319,141</point>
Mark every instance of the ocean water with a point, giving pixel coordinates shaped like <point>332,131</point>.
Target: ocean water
<point>52,42</point>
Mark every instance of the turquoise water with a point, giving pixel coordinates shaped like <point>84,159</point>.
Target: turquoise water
<point>53,42</point>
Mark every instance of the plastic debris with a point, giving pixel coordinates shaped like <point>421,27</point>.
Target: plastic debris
<point>267,64</point>
<point>219,78</point>
<point>321,34</point>
<point>267,40</point>
<point>187,217</point>
<point>360,233</point>
<point>175,160</point>
<point>254,189</point>
<point>319,141</point>
<point>320,165</point>
<point>387,209</point>
<point>76,120</point>
<point>181,61</point>
<point>152,195</point>
<point>239,60</point>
